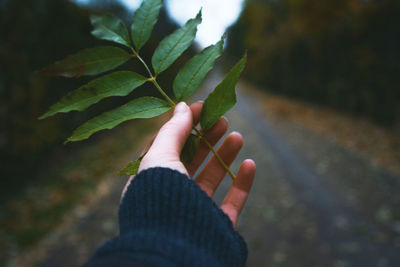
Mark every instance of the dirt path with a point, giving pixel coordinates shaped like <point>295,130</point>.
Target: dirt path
<point>331,199</point>
<point>314,203</point>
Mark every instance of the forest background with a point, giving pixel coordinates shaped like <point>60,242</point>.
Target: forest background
<point>342,54</point>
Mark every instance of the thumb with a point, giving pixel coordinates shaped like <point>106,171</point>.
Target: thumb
<point>173,134</point>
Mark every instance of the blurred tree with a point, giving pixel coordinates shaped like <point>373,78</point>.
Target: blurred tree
<point>34,34</point>
<point>337,52</point>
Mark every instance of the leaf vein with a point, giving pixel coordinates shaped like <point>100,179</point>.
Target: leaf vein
<point>105,93</point>
<point>120,36</point>
<point>195,74</point>
<point>142,28</point>
<point>97,61</point>
<point>173,47</point>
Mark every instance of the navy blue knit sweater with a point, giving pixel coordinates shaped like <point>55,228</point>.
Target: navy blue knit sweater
<point>167,220</point>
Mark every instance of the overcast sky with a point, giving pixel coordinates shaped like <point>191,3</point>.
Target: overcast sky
<point>217,15</point>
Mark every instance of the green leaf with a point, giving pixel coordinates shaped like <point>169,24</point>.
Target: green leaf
<point>190,148</point>
<point>90,61</point>
<point>140,108</point>
<point>144,20</point>
<point>194,71</point>
<point>110,28</point>
<point>223,98</point>
<point>172,46</point>
<point>132,168</point>
<point>119,83</point>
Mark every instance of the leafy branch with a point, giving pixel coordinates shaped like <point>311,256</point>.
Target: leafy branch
<point>94,61</point>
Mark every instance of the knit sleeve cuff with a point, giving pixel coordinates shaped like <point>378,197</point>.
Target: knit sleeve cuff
<point>171,208</point>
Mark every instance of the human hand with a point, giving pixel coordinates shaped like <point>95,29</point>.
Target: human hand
<point>166,147</point>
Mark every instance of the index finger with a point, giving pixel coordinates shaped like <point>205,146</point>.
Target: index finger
<point>196,110</point>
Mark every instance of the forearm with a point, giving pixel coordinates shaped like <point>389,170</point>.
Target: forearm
<point>166,219</point>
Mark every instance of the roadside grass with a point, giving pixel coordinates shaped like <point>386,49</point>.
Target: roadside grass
<point>377,143</point>
<point>67,182</point>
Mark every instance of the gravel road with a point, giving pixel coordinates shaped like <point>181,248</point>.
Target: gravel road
<point>313,203</point>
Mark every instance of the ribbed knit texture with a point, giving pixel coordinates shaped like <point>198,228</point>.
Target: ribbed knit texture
<point>167,220</point>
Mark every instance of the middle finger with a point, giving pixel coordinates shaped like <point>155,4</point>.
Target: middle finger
<point>212,136</point>
<point>213,173</point>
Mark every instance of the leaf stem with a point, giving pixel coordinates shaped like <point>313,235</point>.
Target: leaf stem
<point>154,81</point>
<point>173,104</point>
<point>145,65</point>
<point>221,161</point>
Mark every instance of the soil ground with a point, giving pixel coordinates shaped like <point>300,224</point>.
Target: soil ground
<point>327,191</point>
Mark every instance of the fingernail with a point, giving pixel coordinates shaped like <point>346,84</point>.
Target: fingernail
<point>181,107</point>
<point>234,132</point>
